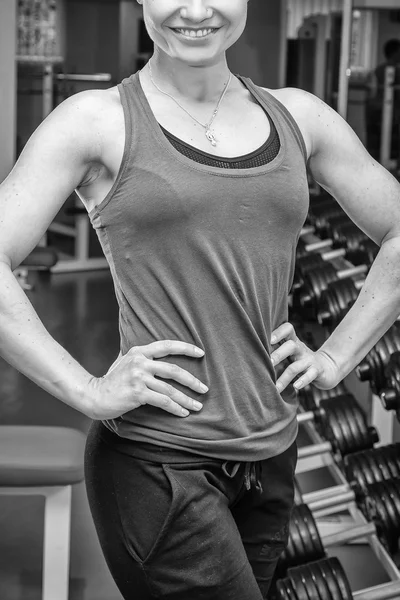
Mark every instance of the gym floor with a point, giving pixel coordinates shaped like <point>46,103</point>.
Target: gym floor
<point>80,312</point>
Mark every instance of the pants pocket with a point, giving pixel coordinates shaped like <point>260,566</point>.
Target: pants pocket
<point>147,500</point>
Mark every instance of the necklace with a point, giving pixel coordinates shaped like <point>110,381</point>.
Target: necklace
<point>210,135</point>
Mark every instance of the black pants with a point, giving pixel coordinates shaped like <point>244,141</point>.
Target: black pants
<point>178,526</point>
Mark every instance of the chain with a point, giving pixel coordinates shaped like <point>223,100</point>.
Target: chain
<point>209,134</point>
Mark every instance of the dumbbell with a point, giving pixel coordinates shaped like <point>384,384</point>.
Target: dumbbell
<point>309,244</point>
<point>381,505</point>
<point>372,367</point>
<point>390,395</point>
<point>320,214</point>
<point>305,543</point>
<point>348,235</point>
<point>342,422</point>
<point>326,580</point>
<point>361,469</point>
<point>331,224</point>
<point>370,466</point>
<point>315,281</point>
<point>307,263</point>
<point>336,300</point>
<point>311,396</point>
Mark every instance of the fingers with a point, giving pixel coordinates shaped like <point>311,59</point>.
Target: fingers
<point>170,398</point>
<point>148,389</point>
<point>287,349</point>
<point>165,347</point>
<point>283,332</point>
<point>302,358</point>
<point>172,371</point>
<point>308,373</point>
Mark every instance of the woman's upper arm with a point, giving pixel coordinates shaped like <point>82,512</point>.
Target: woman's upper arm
<point>54,161</point>
<point>339,162</point>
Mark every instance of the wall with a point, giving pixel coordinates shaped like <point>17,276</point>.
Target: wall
<point>258,52</point>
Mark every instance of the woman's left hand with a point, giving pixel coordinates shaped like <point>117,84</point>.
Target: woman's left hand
<point>306,366</point>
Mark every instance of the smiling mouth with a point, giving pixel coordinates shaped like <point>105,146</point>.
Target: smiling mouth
<point>195,33</point>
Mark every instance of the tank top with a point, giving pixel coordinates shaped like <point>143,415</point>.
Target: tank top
<point>206,255</point>
<point>261,156</point>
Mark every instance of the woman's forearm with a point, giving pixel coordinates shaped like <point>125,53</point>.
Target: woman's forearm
<point>375,310</point>
<point>26,345</point>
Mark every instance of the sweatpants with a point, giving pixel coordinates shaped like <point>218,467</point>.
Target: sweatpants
<point>179,526</point>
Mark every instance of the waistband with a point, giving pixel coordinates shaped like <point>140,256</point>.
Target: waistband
<point>162,454</point>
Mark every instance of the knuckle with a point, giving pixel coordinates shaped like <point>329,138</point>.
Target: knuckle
<point>137,375</point>
<point>166,402</point>
<point>167,344</point>
<point>137,387</point>
<point>171,391</point>
<point>137,358</point>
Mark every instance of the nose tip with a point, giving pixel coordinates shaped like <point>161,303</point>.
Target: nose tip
<point>196,11</point>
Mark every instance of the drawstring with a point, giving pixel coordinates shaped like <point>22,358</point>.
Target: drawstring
<point>252,473</point>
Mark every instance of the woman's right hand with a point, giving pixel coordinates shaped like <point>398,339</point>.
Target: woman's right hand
<point>132,381</point>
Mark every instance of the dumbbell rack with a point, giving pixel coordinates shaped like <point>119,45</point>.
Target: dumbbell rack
<point>328,504</point>
<point>383,420</point>
<point>334,508</point>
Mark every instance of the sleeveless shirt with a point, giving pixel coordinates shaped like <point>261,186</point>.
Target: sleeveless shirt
<point>206,255</point>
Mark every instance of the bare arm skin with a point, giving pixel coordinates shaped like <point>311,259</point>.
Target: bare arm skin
<point>54,162</point>
<point>371,197</point>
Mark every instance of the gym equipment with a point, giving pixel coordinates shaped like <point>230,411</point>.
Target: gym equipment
<point>390,396</point>
<point>372,367</point>
<point>340,295</point>
<point>371,466</point>
<point>361,469</point>
<point>309,243</point>
<point>317,280</point>
<point>305,542</point>
<point>45,461</point>
<point>342,422</point>
<point>336,300</point>
<point>381,505</point>
<point>40,259</point>
<point>311,396</point>
<point>321,214</point>
<point>326,580</point>
<point>348,235</point>
<point>315,260</point>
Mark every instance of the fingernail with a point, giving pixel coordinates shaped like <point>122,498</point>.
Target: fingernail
<point>279,387</point>
<point>199,351</point>
<point>298,384</point>
<point>273,360</point>
<point>273,339</point>
<point>185,412</point>
<point>204,388</point>
<point>197,405</point>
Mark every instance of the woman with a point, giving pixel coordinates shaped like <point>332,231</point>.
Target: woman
<point>195,181</point>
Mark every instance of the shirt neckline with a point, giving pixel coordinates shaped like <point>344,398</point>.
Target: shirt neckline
<point>227,159</point>
<point>219,171</point>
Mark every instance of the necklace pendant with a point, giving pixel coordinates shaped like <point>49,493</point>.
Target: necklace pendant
<point>211,137</point>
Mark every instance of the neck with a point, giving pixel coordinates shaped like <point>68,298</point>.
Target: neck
<point>199,83</point>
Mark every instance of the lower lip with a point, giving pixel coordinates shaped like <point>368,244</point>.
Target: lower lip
<point>187,38</point>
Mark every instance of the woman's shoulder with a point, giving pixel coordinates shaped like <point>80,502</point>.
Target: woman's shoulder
<point>301,105</point>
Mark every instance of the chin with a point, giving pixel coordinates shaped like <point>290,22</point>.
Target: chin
<point>198,59</point>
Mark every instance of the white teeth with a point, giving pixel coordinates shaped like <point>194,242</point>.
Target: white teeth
<point>195,34</point>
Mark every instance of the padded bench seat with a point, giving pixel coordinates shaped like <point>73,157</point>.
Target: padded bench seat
<point>40,456</point>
